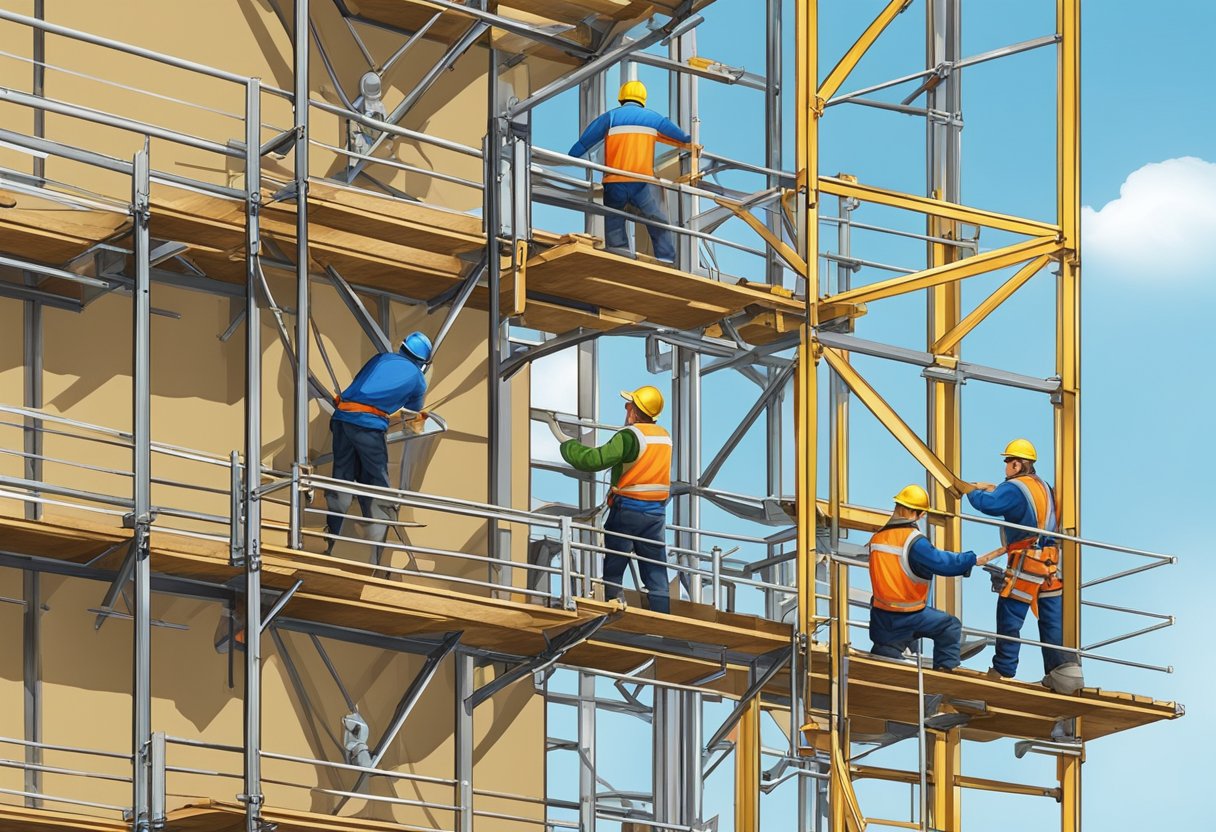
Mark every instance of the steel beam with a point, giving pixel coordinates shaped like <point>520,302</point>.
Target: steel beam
<point>937,208</point>
<point>947,342</point>
<point>949,272</point>
<point>773,390</point>
<point>300,94</point>
<point>463,741</point>
<point>141,517</point>
<point>251,554</point>
<point>363,317</point>
<point>31,637</point>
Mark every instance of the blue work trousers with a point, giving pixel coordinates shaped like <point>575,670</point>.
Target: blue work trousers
<point>893,632</point>
<point>361,456</point>
<point>652,557</point>
<point>646,199</point>
<point>1011,614</point>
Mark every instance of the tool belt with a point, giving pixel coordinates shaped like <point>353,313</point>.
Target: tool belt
<point>358,407</point>
<point>1031,570</point>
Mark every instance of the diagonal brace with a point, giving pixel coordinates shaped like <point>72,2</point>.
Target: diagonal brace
<point>558,647</point>
<point>779,659</point>
<point>364,318</point>
<point>407,703</point>
<point>960,330</point>
<point>773,388</point>
<point>778,245</point>
<point>116,588</point>
<point>849,60</point>
<point>939,275</point>
<point>893,423</point>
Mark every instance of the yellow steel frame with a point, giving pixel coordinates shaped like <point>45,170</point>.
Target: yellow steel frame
<point>940,453</point>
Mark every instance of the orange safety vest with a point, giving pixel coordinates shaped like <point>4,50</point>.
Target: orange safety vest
<point>358,407</point>
<point>631,147</point>
<point>649,476</point>
<point>1034,562</point>
<point>896,587</point>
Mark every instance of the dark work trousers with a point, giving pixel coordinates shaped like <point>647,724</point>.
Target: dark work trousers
<point>647,199</point>
<point>892,632</point>
<point>360,456</point>
<point>1011,614</point>
<point>652,557</point>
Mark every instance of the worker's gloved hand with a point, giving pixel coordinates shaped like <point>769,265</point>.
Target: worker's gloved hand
<point>555,428</point>
<point>983,486</point>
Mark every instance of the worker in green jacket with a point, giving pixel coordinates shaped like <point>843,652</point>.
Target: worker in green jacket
<point>640,459</point>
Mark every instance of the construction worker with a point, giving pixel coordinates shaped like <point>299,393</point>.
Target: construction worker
<point>902,565</point>
<point>1031,580</point>
<point>640,459</point>
<point>629,133</point>
<point>388,383</point>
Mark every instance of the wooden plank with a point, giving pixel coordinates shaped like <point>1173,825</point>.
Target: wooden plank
<point>551,317</point>
<point>21,819</point>
<point>50,232</point>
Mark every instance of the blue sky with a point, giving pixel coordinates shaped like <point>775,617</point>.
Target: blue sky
<point>1149,181</point>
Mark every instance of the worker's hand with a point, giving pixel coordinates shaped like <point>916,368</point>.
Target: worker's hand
<point>555,428</point>
<point>991,556</point>
<point>984,486</point>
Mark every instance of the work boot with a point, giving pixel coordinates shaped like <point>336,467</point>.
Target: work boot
<point>996,675</point>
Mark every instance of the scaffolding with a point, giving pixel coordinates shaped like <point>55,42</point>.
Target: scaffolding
<point>763,639</point>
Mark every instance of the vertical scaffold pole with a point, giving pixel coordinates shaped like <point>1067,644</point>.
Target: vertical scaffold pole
<point>253,463</point>
<point>943,180</point>
<point>807,109</point>
<point>141,424</point>
<point>300,105</point>
<point>1068,358</point>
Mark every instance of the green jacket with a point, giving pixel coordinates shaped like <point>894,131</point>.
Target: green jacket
<point>621,448</point>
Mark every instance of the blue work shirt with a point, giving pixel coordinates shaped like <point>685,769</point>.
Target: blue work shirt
<point>388,382</point>
<point>927,560</point>
<point>1010,504</point>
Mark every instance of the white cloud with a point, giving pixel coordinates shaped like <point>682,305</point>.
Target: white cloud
<point>1162,226</point>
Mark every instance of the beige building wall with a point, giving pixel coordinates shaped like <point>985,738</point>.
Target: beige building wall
<point>198,390</point>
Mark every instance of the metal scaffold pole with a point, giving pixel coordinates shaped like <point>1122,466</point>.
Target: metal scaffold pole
<point>301,391</point>
<point>253,797</point>
<point>141,517</point>
<point>1068,361</point>
<point>943,143</point>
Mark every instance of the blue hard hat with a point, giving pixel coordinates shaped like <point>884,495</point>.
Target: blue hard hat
<point>418,346</point>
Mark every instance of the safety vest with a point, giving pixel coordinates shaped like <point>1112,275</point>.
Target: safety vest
<point>358,407</point>
<point>896,587</point>
<point>648,477</point>
<point>1032,571</point>
<point>630,146</point>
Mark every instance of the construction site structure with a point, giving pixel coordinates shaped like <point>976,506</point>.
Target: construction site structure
<point>211,214</point>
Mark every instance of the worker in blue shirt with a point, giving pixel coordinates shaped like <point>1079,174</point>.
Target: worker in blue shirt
<point>903,564</point>
<point>1031,580</point>
<point>388,383</point>
<point>629,133</point>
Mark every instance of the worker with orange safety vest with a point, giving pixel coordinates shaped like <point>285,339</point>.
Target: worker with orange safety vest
<point>640,459</point>
<point>388,383</point>
<point>629,133</point>
<point>902,565</point>
<point>1031,580</point>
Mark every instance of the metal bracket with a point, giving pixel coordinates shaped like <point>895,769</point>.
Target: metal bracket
<point>558,647</point>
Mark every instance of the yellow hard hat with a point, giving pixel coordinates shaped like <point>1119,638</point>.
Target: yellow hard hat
<point>1021,449</point>
<point>913,497</point>
<point>646,399</point>
<point>632,91</point>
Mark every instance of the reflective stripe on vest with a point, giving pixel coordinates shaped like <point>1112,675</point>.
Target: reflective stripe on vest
<point>649,476</point>
<point>629,147</point>
<point>896,587</point>
<point>358,407</point>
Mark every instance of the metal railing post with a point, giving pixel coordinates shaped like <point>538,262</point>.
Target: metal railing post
<point>566,532</point>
